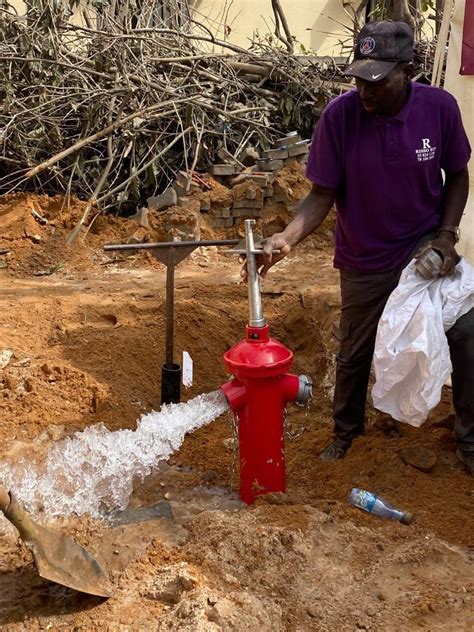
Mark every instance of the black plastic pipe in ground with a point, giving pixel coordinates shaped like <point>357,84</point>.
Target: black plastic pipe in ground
<point>170,384</point>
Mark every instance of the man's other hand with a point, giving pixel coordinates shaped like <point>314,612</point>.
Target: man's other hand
<point>444,244</point>
<point>268,258</point>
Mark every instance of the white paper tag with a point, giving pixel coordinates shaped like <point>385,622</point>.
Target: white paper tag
<point>187,370</point>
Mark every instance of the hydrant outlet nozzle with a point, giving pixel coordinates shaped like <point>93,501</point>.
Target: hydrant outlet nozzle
<point>305,390</point>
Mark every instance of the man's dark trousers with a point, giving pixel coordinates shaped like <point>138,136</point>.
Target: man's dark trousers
<point>363,298</point>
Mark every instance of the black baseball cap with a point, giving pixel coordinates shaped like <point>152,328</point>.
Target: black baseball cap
<point>380,47</point>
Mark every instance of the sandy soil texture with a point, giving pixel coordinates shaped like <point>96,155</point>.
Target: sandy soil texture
<point>87,334</point>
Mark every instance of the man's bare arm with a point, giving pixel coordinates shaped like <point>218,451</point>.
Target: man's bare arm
<point>312,212</point>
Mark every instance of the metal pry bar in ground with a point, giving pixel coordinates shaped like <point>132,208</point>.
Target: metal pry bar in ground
<point>170,253</point>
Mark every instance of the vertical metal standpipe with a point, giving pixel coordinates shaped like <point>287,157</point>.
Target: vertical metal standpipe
<point>256,318</point>
<point>170,371</point>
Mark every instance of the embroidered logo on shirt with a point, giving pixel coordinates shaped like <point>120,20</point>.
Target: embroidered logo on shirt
<point>367,45</point>
<point>427,152</point>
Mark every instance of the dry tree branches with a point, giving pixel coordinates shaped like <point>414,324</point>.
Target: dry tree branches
<point>112,110</point>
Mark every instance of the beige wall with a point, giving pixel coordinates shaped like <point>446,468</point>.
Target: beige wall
<point>320,25</point>
<point>462,87</point>
<point>19,5</point>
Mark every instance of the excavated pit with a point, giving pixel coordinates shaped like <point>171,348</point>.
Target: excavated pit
<point>88,344</point>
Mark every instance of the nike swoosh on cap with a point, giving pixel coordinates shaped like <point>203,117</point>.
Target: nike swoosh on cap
<point>376,76</point>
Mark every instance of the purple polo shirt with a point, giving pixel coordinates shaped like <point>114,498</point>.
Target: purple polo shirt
<point>387,173</point>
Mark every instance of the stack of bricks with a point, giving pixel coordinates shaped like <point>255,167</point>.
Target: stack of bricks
<point>287,149</point>
<point>250,189</point>
<point>248,196</point>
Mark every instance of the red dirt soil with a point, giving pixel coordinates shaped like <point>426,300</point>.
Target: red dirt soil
<point>88,343</point>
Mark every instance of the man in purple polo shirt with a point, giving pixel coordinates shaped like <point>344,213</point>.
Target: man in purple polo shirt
<point>379,153</point>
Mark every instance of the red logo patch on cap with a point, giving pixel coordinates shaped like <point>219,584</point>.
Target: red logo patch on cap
<point>367,45</point>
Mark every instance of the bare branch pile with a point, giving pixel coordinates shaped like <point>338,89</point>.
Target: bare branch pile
<point>114,110</point>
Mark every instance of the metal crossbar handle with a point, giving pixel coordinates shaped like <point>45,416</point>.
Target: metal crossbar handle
<point>172,244</point>
<point>243,251</point>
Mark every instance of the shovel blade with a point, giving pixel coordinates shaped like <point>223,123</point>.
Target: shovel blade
<point>61,560</point>
<point>57,557</point>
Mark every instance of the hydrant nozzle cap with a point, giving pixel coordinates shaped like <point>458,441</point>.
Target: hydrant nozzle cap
<point>305,390</point>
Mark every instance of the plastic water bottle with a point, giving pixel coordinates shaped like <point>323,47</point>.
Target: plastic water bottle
<point>376,505</point>
<point>429,264</point>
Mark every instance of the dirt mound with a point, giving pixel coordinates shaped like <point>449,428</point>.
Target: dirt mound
<point>86,345</point>
<point>271,568</point>
<point>34,229</point>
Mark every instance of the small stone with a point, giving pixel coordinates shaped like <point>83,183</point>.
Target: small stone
<point>380,546</point>
<point>47,370</point>
<point>247,212</point>
<point>424,609</point>
<point>381,596</point>
<point>212,600</point>
<point>419,457</point>
<point>209,476</point>
<point>169,594</point>
<point>24,362</point>
<point>10,382</point>
<point>56,433</point>
<point>167,496</point>
<point>141,216</point>
<point>166,199</point>
<point>5,357</point>
<point>184,610</point>
<point>313,612</point>
<point>249,156</point>
<point>138,237</point>
<point>188,580</point>
<point>29,385</point>
<point>229,444</point>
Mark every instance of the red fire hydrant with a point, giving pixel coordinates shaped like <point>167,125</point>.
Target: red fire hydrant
<point>258,395</point>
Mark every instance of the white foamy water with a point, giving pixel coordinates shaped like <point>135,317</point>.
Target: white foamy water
<point>93,471</point>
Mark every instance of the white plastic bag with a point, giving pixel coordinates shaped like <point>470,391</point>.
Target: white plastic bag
<point>411,358</point>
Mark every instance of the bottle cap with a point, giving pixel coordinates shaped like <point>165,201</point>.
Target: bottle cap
<point>407,518</point>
